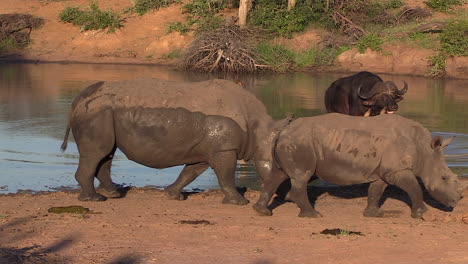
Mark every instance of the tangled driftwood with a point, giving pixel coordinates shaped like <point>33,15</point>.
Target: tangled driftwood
<point>227,49</point>
<point>412,14</point>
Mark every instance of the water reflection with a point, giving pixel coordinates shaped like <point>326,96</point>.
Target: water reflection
<point>35,99</point>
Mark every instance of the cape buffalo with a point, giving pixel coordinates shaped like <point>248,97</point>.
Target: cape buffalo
<point>382,150</point>
<point>159,138</point>
<point>363,93</point>
<point>214,97</point>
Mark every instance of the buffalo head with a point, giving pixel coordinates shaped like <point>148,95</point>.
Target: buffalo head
<point>382,98</point>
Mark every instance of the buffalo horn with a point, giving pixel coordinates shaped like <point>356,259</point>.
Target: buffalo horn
<point>403,91</point>
<point>363,97</point>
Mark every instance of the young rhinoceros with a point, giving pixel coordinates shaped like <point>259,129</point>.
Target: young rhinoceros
<point>158,138</point>
<point>382,150</point>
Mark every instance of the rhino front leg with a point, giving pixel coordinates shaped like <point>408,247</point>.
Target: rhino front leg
<point>407,181</point>
<point>224,165</point>
<point>269,188</point>
<point>187,175</point>
<point>374,193</point>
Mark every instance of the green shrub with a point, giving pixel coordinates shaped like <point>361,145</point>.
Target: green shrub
<point>273,16</point>
<point>372,41</point>
<point>394,4</point>
<point>437,63</point>
<point>92,19</point>
<point>143,6</point>
<point>443,5</point>
<point>179,27</point>
<point>177,53</point>
<point>7,44</point>
<point>278,57</point>
<point>203,14</point>
<point>318,57</point>
<point>454,38</point>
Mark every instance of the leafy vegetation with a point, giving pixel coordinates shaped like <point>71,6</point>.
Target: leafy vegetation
<point>91,19</point>
<point>177,53</point>
<point>273,16</point>
<point>277,57</point>
<point>443,5</point>
<point>437,63</point>
<point>143,6</point>
<point>454,38</point>
<point>180,27</point>
<point>203,14</point>
<point>372,41</point>
<point>280,59</point>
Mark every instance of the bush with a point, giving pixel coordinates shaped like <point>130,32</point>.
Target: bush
<point>437,63</point>
<point>273,16</point>
<point>15,30</point>
<point>454,38</point>
<point>203,14</point>
<point>92,19</point>
<point>372,41</point>
<point>277,57</point>
<point>143,6</point>
<point>178,26</point>
<point>443,5</point>
<point>394,4</point>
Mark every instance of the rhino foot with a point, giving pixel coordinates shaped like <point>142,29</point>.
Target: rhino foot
<point>109,194</point>
<point>310,214</point>
<point>93,197</point>
<point>262,210</point>
<point>237,201</point>
<point>373,212</point>
<point>418,213</point>
<point>175,196</point>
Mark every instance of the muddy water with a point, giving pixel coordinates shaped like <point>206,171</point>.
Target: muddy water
<point>35,99</point>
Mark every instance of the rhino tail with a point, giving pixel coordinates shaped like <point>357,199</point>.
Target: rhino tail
<point>85,93</point>
<point>67,133</point>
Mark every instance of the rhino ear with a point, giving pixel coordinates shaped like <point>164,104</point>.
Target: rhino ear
<point>369,102</point>
<point>447,141</point>
<point>437,142</point>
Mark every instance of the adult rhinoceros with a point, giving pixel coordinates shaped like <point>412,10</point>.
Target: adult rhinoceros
<point>382,150</point>
<point>214,97</point>
<point>363,93</point>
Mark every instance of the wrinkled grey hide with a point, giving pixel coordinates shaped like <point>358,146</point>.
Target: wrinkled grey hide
<point>381,150</point>
<point>159,138</point>
<point>214,97</point>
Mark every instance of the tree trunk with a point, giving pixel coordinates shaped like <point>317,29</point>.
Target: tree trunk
<point>244,7</point>
<point>291,4</point>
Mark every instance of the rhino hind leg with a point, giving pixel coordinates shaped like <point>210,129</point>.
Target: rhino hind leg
<point>407,181</point>
<point>224,165</point>
<point>85,177</point>
<point>298,194</point>
<point>188,175</point>
<point>270,186</point>
<point>374,193</point>
<point>106,186</point>
<point>95,139</point>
